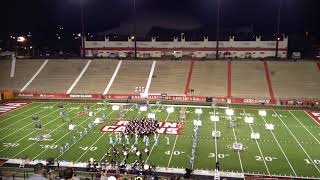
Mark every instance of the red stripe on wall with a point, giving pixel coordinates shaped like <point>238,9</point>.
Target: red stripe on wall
<point>267,74</point>
<point>229,79</point>
<point>185,49</point>
<point>186,90</point>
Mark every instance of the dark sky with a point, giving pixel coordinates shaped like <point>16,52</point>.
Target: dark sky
<point>44,16</point>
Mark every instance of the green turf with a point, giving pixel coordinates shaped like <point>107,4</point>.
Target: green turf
<point>292,149</point>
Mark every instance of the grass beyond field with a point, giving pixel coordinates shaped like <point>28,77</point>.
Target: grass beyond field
<point>292,149</point>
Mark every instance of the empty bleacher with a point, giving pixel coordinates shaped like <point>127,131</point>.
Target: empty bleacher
<point>248,80</point>
<point>24,70</point>
<point>290,80</point>
<point>170,77</point>
<point>209,78</point>
<point>295,79</point>
<point>96,77</point>
<point>5,82</point>
<point>57,76</point>
<point>131,74</point>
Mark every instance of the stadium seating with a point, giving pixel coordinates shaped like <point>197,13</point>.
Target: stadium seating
<point>170,77</point>
<point>295,79</point>
<point>57,76</point>
<point>248,80</point>
<point>25,69</point>
<point>131,74</point>
<point>96,77</point>
<point>209,78</point>
<point>290,80</point>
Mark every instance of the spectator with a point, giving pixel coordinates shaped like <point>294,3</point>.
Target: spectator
<point>69,175</point>
<point>39,171</point>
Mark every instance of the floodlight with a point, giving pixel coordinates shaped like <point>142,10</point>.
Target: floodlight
<point>198,111</point>
<point>143,108</point>
<point>115,108</point>
<point>230,112</point>
<point>262,112</point>
<point>152,115</point>
<point>21,39</point>
<point>214,118</point>
<point>170,109</point>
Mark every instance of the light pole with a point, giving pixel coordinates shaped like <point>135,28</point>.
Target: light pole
<point>134,29</point>
<point>218,29</point>
<point>83,52</point>
<point>278,28</point>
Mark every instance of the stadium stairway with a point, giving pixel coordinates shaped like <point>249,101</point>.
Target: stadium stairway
<point>170,77</point>
<point>132,74</point>
<point>24,70</point>
<point>57,76</point>
<point>96,78</point>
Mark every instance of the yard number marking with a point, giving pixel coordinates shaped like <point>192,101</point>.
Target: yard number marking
<point>259,158</point>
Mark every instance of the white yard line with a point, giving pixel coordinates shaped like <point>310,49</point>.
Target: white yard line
<point>235,138</point>
<point>65,134</point>
<point>98,139</point>
<point>264,161</point>
<point>79,77</point>
<point>13,66</point>
<point>26,124</point>
<point>146,91</point>
<point>19,114</point>
<point>304,127</point>
<point>297,141</point>
<point>154,144</point>
<point>90,147</point>
<point>284,154</point>
<point>34,76</point>
<point>36,141</point>
<point>215,139</point>
<point>174,145</point>
<point>34,131</point>
<point>112,78</point>
<point>77,141</point>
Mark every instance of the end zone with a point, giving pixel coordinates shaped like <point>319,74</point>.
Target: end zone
<point>315,115</point>
<point>11,106</point>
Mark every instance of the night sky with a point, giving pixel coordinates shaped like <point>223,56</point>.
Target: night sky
<point>45,16</point>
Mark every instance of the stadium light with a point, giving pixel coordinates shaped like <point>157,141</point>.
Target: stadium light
<point>21,39</point>
<point>170,109</point>
<point>229,112</point>
<point>263,113</point>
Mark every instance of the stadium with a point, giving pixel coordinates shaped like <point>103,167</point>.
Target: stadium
<point>153,109</point>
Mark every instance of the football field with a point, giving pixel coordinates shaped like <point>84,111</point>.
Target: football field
<point>291,149</point>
